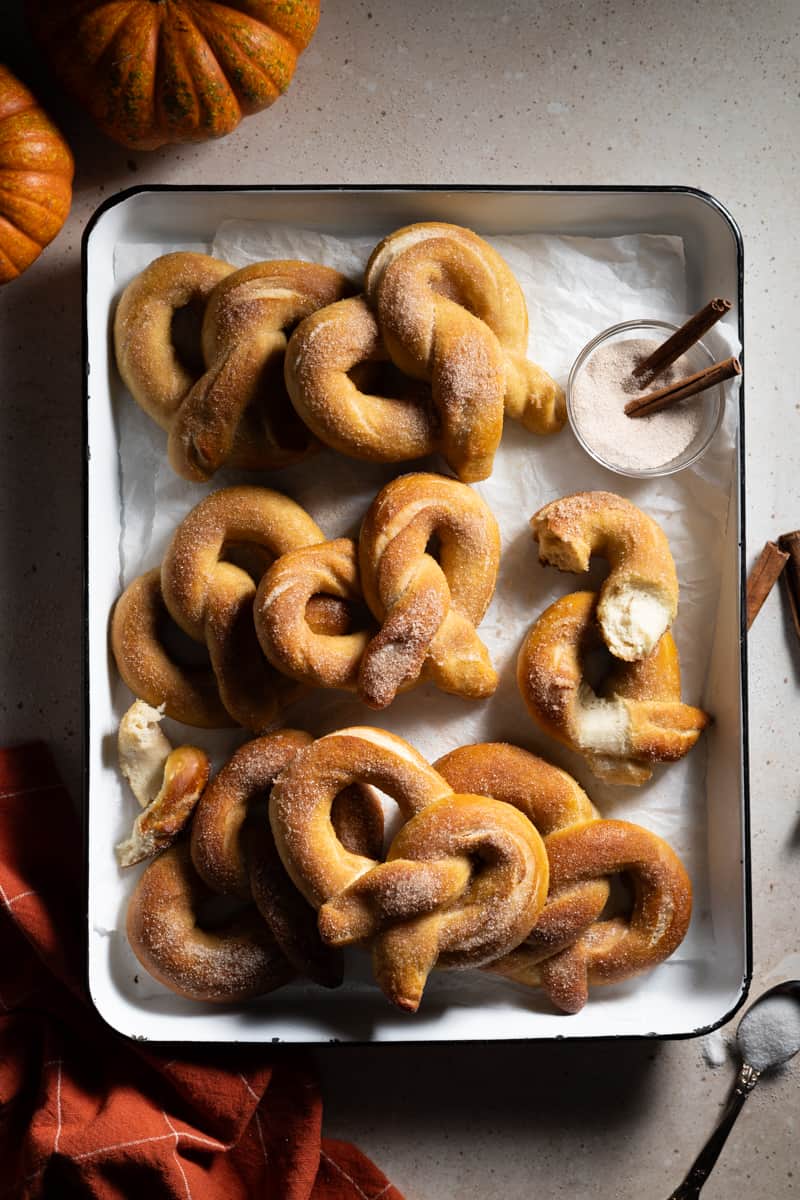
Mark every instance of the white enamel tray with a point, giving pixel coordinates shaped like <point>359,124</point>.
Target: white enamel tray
<point>705,983</point>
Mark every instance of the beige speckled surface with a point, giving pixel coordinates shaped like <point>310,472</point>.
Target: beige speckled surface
<point>616,92</point>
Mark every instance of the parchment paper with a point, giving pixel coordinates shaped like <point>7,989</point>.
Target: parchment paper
<point>575,287</point>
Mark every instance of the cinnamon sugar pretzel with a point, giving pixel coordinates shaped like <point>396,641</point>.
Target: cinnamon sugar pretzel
<point>186,692</point>
<point>639,599</point>
<point>148,359</point>
<point>234,852</point>
<point>617,948</point>
<point>211,600</point>
<point>428,609</point>
<point>229,961</point>
<point>636,719</point>
<point>288,639</point>
<point>451,312</point>
<point>463,881</point>
<point>337,377</point>
<point>236,413</point>
<point>572,946</point>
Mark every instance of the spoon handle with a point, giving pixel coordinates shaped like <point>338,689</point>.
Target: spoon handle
<point>701,1167</point>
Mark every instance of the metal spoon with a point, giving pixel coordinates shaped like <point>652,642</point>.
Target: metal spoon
<point>753,1020</point>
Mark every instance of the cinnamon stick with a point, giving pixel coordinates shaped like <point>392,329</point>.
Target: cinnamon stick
<point>768,566</point>
<point>790,544</point>
<point>680,341</point>
<point>681,389</point>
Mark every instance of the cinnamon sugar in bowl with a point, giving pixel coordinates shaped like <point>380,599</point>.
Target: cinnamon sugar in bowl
<point>600,384</point>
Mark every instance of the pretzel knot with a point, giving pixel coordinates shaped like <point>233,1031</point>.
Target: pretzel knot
<point>187,692</point>
<point>428,609</point>
<point>211,600</point>
<point>571,945</point>
<point>287,638</point>
<point>152,367</point>
<point>234,960</point>
<point>463,882</point>
<point>451,312</point>
<point>236,412</point>
<point>234,852</point>
<point>639,599</point>
<point>612,950</point>
<point>341,383</point>
<point>637,718</point>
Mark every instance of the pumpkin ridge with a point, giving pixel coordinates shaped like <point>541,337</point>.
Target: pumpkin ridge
<point>26,136</point>
<point>5,187</point>
<point>36,141</point>
<point>209,15</point>
<point>244,40</point>
<point>210,102</point>
<point>24,104</point>
<point>34,180</point>
<point>20,154</point>
<point>56,169</point>
<point>123,103</point>
<point>32,247</point>
<point>303,18</point>
<point>105,32</point>
<point>36,169</point>
<point>8,269</point>
<point>22,208</point>
<point>179,49</point>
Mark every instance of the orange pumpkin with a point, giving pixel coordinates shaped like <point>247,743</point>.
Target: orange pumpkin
<point>157,71</point>
<point>36,172</point>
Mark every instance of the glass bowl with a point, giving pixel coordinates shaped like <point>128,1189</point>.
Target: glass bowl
<point>710,404</point>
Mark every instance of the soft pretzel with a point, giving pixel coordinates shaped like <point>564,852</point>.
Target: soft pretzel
<point>187,693</point>
<point>148,360</point>
<point>639,599</point>
<point>238,413</point>
<point>237,796</point>
<point>301,800</point>
<point>615,949</point>
<point>235,413</point>
<point>463,881</point>
<point>289,641</point>
<point>336,376</point>
<point>235,960</point>
<point>549,797</point>
<point>451,311</point>
<point>570,946</point>
<point>462,884</point>
<point>636,720</point>
<point>211,599</point>
<point>234,852</point>
<point>166,782</point>
<point>428,609</point>
<point>551,800</point>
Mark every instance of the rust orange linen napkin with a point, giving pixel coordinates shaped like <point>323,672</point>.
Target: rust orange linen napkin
<point>84,1112</point>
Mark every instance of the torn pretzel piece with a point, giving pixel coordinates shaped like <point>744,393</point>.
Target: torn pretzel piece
<point>143,750</point>
<point>166,782</point>
<point>186,774</point>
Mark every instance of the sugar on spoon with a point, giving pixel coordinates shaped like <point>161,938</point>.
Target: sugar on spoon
<point>768,1035</point>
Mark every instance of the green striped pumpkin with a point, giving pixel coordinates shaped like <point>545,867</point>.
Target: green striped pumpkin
<point>157,71</point>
